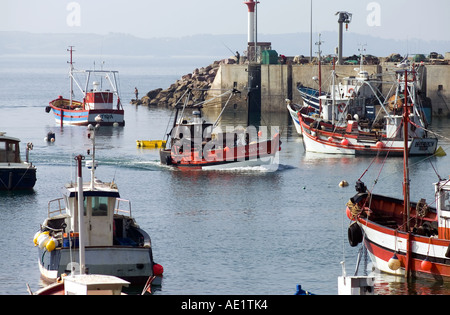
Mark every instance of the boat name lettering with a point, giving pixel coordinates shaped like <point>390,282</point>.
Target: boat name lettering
<point>107,116</point>
<point>424,145</point>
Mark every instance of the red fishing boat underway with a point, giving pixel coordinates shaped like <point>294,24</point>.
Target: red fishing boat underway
<point>197,144</point>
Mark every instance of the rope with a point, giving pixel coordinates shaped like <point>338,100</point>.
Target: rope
<point>427,130</point>
<point>11,188</point>
<point>22,176</point>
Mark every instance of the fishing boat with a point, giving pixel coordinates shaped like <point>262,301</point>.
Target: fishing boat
<point>359,94</point>
<point>310,96</point>
<point>15,174</point>
<point>111,240</point>
<point>359,91</point>
<point>196,144</point>
<point>347,134</point>
<point>97,104</point>
<point>294,110</point>
<point>403,237</point>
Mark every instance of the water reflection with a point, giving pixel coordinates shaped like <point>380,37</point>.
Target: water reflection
<point>397,285</point>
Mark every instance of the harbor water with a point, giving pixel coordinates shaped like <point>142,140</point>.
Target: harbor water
<point>241,232</point>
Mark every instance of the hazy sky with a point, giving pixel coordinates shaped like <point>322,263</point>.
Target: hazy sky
<point>399,19</point>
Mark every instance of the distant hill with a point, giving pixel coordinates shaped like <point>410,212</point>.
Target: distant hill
<point>206,45</point>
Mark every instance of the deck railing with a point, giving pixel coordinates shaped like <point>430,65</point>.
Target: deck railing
<point>121,205</point>
<point>55,207</point>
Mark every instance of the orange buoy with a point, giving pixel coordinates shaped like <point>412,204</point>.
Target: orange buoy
<point>379,145</point>
<point>344,142</point>
<point>426,265</point>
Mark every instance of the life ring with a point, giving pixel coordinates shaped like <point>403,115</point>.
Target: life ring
<point>341,107</point>
<point>355,235</point>
<point>351,91</point>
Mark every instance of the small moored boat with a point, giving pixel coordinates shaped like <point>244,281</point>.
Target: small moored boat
<point>15,174</point>
<point>113,242</point>
<point>97,104</point>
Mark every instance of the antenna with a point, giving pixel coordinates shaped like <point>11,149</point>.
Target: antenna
<point>362,50</point>
<point>344,17</point>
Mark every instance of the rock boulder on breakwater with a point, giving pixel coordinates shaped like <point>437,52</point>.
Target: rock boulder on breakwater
<point>199,80</point>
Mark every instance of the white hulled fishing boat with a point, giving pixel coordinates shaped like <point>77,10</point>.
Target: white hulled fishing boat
<point>113,243</point>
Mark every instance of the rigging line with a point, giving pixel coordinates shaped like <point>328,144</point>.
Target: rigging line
<point>214,98</point>
<point>379,173</point>
<point>427,130</point>
<point>26,171</point>
<point>435,171</point>
<point>168,123</point>
<point>220,115</point>
<point>367,169</point>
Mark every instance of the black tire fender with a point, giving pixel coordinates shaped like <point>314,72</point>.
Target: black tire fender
<point>355,234</point>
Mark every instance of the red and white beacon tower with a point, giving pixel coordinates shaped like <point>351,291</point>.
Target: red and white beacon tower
<point>251,19</point>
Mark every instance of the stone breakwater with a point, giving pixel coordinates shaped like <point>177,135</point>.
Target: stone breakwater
<point>200,81</point>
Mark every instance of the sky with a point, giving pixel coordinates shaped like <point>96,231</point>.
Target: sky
<point>393,19</point>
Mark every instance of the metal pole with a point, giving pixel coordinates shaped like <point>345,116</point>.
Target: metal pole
<point>81,227</point>
<point>341,35</point>
<point>310,35</point>
<point>256,31</point>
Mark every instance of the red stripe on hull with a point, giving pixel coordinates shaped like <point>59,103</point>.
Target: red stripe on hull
<point>438,271</point>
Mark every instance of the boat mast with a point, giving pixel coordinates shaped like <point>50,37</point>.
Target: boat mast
<point>71,74</point>
<point>334,92</point>
<point>406,213</point>
<point>319,43</point>
<point>407,206</point>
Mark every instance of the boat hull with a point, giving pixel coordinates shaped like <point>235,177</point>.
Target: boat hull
<point>382,243</point>
<point>320,141</point>
<point>294,116</point>
<point>19,177</point>
<point>420,249</point>
<point>83,117</point>
<point>264,154</point>
<point>133,264</point>
<point>310,97</point>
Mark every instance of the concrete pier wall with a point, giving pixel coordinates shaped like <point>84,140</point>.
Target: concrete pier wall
<point>437,86</point>
<point>279,82</point>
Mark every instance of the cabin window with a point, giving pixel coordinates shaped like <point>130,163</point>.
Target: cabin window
<point>98,205</point>
<point>445,200</point>
<point>3,152</point>
<point>9,152</point>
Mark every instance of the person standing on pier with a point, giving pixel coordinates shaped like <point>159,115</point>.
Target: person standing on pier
<point>136,92</point>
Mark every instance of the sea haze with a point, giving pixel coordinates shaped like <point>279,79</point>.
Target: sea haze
<point>214,46</point>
